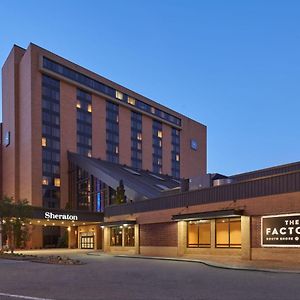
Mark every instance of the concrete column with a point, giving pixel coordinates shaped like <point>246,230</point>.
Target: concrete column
<point>137,238</point>
<point>246,237</point>
<point>213,233</point>
<point>72,237</point>
<point>182,237</point>
<point>106,239</point>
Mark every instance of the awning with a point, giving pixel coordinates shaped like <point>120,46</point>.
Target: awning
<point>209,215</point>
<point>118,223</point>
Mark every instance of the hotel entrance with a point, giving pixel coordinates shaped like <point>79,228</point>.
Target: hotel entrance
<point>49,228</point>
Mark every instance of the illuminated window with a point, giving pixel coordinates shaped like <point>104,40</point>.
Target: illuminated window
<point>57,182</point>
<point>89,108</point>
<point>177,157</point>
<point>199,234</point>
<point>159,133</point>
<point>129,236</point>
<point>117,149</point>
<point>45,181</point>
<point>119,95</point>
<point>89,154</point>
<point>116,234</point>
<point>78,104</point>
<point>44,142</point>
<point>228,233</point>
<point>153,110</point>
<point>139,136</point>
<point>131,101</point>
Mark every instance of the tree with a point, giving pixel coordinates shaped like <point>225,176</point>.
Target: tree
<point>14,218</point>
<point>120,193</point>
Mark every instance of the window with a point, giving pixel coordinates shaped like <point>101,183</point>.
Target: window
<point>89,108</point>
<point>44,142</point>
<point>128,236</point>
<point>159,134</point>
<point>119,95</point>
<point>116,235</point>
<point>57,182</point>
<point>118,232</point>
<point>78,104</point>
<point>45,180</point>
<point>199,234</point>
<point>131,101</point>
<point>228,233</point>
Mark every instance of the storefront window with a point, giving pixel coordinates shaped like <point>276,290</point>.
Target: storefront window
<point>228,233</point>
<point>129,236</point>
<point>116,234</point>
<point>199,234</point>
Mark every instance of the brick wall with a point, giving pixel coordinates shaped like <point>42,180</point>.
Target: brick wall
<point>255,232</point>
<point>159,235</point>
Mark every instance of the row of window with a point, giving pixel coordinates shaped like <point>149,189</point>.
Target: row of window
<point>50,141</point>
<point>112,132</point>
<point>136,140</point>
<point>227,233</point>
<point>84,123</point>
<point>175,168</point>
<point>100,87</point>
<point>122,236</point>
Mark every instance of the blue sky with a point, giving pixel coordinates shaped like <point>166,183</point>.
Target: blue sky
<point>231,65</point>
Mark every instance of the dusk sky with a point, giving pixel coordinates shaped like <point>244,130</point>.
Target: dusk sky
<point>231,65</point>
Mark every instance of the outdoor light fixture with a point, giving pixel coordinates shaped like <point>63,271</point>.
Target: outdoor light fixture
<point>69,228</point>
<point>102,227</point>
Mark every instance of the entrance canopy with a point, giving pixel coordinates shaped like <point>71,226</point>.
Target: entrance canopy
<point>60,217</point>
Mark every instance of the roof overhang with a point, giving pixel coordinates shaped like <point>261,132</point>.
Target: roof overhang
<point>118,223</point>
<point>209,215</point>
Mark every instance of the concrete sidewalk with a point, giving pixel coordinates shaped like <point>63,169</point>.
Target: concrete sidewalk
<point>225,262</point>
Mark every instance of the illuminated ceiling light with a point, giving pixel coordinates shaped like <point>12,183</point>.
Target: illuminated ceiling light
<point>53,224</point>
<point>62,222</point>
<point>69,228</point>
<point>102,227</point>
<point>39,221</point>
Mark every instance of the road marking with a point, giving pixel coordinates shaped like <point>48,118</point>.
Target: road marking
<point>23,297</point>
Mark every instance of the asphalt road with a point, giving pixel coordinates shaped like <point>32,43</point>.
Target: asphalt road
<point>107,277</point>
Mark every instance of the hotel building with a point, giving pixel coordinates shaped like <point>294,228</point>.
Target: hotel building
<point>125,174</point>
<point>52,106</point>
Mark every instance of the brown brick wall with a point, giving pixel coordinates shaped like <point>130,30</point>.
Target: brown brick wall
<point>255,232</point>
<point>159,235</point>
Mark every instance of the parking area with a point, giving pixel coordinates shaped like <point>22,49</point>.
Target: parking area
<point>108,277</point>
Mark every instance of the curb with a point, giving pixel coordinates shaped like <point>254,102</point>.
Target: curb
<point>210,264</point>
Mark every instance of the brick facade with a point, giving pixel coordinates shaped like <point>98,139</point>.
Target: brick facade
<point>158,235</point>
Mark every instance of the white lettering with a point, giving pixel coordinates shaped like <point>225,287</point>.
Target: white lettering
<point>52,216</point>
<point>282,230</point>
<point>275,232</point>
<point>268,231</point>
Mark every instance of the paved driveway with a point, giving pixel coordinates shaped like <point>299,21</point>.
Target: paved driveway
<point>107,277</point>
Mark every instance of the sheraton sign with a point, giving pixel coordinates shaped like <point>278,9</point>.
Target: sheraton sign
<point>280,231</point>
<point>68,217</point>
